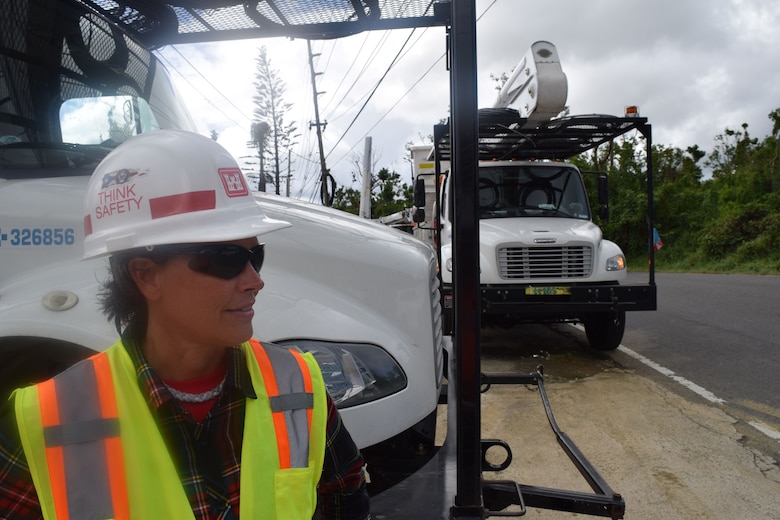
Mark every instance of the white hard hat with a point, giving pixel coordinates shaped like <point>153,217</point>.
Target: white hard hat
<point>169,187</point>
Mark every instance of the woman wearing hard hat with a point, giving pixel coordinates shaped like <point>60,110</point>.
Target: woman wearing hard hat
<point>186,416</point>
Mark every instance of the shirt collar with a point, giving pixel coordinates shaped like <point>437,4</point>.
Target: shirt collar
<point>154,390</point>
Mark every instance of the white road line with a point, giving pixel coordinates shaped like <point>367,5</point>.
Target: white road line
<point>758,425</point>
<point>703,392</point>
<point>690,385</point>
<point>765,429</point>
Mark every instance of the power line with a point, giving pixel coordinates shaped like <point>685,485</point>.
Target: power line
<point>373,91</point>
<point>208,82</point>
<point>346,74</point>
<point>393,106</point>
<point>170,65</point>
<point>392,64</point>
<point>369,61</point>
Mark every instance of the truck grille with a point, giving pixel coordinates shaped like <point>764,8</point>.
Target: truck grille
<point>529,263</point>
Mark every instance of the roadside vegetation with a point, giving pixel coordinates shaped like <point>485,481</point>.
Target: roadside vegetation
<point>715,213</point>
<point>389,194</point>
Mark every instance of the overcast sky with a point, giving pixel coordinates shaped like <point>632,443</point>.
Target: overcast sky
<point>694,68</point>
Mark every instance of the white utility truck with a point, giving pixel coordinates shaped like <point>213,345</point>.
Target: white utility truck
<point>72,87</point>
<point>541,256</point>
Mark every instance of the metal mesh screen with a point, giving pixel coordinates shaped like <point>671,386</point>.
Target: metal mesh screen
<point>157,23</point>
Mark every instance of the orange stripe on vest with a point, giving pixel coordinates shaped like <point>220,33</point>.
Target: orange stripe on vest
<point>282,439</point>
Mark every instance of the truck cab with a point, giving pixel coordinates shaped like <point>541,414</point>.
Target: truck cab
<point>72,87</point>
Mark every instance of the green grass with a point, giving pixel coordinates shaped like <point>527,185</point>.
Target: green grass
<point>696,263</point>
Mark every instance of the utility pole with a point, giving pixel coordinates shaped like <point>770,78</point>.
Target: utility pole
<point>365,193</point>
<point>259,131</point>
<point>325,196</point>
<point>289,172</point>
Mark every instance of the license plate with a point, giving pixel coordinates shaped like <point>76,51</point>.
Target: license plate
<point>548,291</point>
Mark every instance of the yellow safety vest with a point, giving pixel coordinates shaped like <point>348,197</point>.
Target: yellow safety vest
<point>95,451</point>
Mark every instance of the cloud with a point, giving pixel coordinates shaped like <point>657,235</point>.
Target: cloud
<point>693,67</point>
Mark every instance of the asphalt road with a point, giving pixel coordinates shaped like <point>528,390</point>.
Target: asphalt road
<point>720,332</point>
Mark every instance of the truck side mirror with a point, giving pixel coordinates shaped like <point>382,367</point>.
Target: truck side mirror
<point>603,189</point>
<point>419,200</point>
<point>419,192</point>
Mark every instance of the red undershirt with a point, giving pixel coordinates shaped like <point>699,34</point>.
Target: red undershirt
<point>198,411</point>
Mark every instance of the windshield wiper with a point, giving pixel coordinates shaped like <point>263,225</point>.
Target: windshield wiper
<point>47,159</point>
<point>48,154</point>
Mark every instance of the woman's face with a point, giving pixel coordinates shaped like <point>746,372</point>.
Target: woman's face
<point>198,308</point>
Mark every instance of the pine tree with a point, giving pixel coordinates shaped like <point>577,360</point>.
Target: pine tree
<point>271,109</point>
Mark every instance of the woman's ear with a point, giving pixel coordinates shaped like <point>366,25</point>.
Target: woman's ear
<point>146,273</point>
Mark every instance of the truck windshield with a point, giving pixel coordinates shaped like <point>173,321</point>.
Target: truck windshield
<point>545,190</point>
<point>72,87</point>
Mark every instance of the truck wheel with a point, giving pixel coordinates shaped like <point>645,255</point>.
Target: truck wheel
<point>605,331</point>
<point>29,360</point>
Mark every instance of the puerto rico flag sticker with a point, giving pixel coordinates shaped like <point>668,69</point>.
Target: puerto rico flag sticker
<point>233,182</point>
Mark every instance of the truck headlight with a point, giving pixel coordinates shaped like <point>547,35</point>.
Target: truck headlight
<point>354,373</point>
<point>616,263</point>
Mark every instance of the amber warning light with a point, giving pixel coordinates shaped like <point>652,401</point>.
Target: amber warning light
<point>632,111</point>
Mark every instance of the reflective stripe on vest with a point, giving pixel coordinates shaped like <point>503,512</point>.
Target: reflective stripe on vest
<point>83,448</point>
<point>70,426</point>
<point>289,387</point>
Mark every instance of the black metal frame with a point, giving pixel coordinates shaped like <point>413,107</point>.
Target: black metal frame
<point>500,494</point>
<point>502,135</point>
<point>428,493</point>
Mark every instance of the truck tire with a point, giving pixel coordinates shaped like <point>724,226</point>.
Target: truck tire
<point>605,331</point>
<point>28,360</point>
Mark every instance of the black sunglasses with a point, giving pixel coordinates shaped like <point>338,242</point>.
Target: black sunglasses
<point>221,260</point>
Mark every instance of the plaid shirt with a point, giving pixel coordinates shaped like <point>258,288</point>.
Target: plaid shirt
<point>207,454</point>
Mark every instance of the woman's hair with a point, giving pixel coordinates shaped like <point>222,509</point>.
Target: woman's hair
<point>119,297</point>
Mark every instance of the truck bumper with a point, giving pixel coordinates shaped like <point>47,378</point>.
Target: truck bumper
<point>581,299</point>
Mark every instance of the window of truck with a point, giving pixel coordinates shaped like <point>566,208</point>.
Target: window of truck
<point>527,191</point>
<point>71,93</point>
<point>105,120</point>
